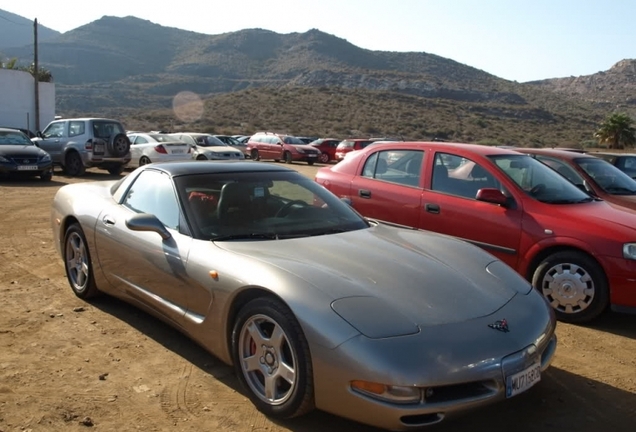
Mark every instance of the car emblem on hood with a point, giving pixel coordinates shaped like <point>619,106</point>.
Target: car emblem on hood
<point>501,325</point>
<point>25,161</point>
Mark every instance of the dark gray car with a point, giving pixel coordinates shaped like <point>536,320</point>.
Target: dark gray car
<point>19,156</point>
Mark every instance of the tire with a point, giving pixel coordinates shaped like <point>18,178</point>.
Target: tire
<point>574,285</point>
<point>324,158</point>
<point>288,157</point>
<point>201,157</point>
<point>144,160</point>
<point>119,145</point>
<point>310,163</point>
<point>254,155</point>
<point>116,170</point>
<point>73,164</point>
<point>261,318</point>
<point>47,176</point>
<point>78,264</point>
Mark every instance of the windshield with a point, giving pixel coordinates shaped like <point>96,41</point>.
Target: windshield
<point>262,206</point>
<point>293,140</point>
<point>208,141</point>
<point>14,138</point>
<point>607,176</point>
<point>163,138</point>
<point>538,180</point>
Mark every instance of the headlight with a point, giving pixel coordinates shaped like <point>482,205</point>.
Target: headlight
<point>45,157</point>
<point>629,251</point>
<point>388,393</point>
<point>4,159</point>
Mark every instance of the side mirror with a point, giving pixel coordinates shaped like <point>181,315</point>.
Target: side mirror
<point>39,134</point>
<point>147,222</point>
<point>491,195</point>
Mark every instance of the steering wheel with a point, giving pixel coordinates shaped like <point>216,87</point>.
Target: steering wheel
<point>537,189</point>
<point>282,212</point>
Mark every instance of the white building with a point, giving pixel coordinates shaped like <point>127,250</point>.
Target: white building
<point>17,100</point>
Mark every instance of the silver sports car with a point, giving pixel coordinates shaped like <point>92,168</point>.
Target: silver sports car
<point>314,305</point>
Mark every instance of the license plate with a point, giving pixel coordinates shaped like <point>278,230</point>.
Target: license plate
<point>27,167</point>
<point>98,148</point>
<point>312,155</point>
<point>178,151</point>
<point>522,381</point>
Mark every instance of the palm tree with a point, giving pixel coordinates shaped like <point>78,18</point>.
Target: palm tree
<point>10,64</point>
<point>617,131</point>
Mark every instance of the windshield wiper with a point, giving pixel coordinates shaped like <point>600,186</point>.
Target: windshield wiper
<point>247,236</point>
<point>328,231</point>
<point>568,201</point>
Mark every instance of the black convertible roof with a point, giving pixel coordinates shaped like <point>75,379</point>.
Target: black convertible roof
<point>211,167</point>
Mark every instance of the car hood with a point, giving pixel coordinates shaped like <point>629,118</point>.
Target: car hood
<point>21,150</point>
<point>628,201</point>
<point>613,220</point>
<point>429,278</point>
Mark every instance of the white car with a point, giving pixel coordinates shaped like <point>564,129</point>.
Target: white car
<point>146,148</point>
<point>208,147</point>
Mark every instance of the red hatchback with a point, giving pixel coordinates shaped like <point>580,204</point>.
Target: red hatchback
<point>327,147</point>
<point>350,145</point>
<point>580,252</point>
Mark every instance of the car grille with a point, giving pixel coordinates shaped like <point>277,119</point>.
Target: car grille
<point>23,160</point>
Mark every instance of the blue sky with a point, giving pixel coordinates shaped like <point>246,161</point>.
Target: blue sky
<point>520,40</point>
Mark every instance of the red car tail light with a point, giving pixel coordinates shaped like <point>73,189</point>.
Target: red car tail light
<point>160,149</point>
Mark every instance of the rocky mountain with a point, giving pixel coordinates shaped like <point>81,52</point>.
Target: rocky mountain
<point>16,31</point>
<point>137,55</point>
<point>614,89</point>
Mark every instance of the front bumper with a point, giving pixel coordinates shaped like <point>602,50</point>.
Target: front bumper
<point>30,169</point>
<point>463,366</point>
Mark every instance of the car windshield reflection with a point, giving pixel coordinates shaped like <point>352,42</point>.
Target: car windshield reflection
<point>607,176</point>
<point>262,206</point>
<point>539,181</point>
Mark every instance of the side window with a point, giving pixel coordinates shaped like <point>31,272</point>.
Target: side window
<point>459,176</point>
<point>76,128</point>
<point>562,168</point>
<point>55,130</point>
<point>153,193</point>
<point>140,140</point>
<point>395,166</point>
<point>369,166</point>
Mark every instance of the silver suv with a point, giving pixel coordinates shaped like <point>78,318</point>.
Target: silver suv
<point>77,144</point>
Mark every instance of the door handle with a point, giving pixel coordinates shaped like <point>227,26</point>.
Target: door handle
<point>432,208</point>
<point>108,220</point>
<point>363,193</point>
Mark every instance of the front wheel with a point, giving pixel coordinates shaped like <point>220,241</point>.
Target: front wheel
<point>254,155</point>
<point>272,359</point>
<point>77,262</point>
<point>288,157</point>
<point>574,285</point>
<point>47,176</point>
<point>324,158</point>
<point>144,160</point>
<point>201,158</point>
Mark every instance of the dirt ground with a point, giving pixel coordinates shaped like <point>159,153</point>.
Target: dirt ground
<point>66,364</point>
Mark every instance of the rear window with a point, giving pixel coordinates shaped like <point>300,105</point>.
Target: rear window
<point>106,129</point>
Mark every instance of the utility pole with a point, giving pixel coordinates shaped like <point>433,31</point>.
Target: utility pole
<point>36,75</point>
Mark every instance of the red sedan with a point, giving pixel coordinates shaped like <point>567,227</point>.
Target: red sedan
<point>580,252</point>
<point>598,176</point>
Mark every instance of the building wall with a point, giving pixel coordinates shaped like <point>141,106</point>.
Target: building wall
<point>17,100</point>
